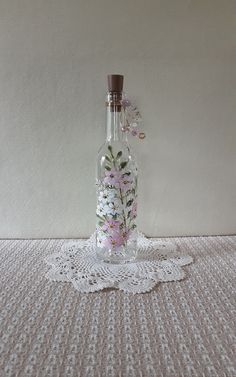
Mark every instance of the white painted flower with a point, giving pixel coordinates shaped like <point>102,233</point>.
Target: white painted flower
<point>100,210</point>
<point>107,209</point>
<point>106,196</point>
<point>116,207</point>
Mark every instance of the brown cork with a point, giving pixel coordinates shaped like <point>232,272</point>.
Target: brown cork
<point>115,83</point>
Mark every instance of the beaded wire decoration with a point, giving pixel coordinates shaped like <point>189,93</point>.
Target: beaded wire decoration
<point>132,119</point>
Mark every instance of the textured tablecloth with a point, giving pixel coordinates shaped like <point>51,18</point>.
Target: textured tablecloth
<point>181,328</point>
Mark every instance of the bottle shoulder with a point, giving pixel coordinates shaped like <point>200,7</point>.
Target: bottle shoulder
<point>115,155</point>
<point>115,147</point>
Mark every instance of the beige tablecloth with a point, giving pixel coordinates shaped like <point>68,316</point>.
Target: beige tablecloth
<point>182,328</point>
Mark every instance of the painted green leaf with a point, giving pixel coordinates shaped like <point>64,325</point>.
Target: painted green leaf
<point>100,217</point>
<point>107,158</point>
<point>130,202</point>
<point>119,154</point>
<point>110,148</point>
<point>123,164</point>
<point>100,223</point>
<point>107,167</point>
<point>128,192</point>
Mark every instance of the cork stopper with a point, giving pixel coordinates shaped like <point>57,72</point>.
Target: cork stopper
<point>115,83</point>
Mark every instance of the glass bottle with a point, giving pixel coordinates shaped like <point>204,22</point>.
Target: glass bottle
<point>116,181</point>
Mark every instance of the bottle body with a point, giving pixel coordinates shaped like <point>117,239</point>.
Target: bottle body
<point>116,233</point>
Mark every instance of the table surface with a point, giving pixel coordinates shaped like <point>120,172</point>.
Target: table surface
<point>184,328</point>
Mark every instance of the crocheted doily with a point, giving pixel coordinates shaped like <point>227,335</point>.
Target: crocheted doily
<point>77,263</point>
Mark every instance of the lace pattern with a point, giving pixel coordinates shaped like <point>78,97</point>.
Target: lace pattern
<point>78,264</point>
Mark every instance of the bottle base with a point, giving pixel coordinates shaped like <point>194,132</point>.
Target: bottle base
<point>116,256</point>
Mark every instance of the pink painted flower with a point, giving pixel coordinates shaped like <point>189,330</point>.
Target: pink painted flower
<point>114,238</point>
<point>111,241</point>
<point>126,183</point>
<point>117,240</point>
<point>111,225</point>
<point>112,177</point>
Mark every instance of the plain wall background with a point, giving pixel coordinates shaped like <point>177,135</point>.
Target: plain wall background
<point>179,62</point>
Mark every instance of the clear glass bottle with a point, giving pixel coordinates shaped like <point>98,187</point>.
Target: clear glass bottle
<point>116,181</point>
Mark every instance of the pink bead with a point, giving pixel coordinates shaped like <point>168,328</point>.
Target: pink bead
<point>134,132</point>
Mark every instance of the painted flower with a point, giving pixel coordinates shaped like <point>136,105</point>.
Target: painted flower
<point>126,183</point>
<point>113,241</point>
<point>106,195</point>
<point>107,209</point>
<point>111,235</point>
<point>116,240</point>
<point>112,177</point>
<point>116,207</point>
<point>100,211</point>
<point>111,225</point>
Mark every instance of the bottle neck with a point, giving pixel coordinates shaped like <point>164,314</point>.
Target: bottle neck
<point>114,132</point>
<point>115,117</point>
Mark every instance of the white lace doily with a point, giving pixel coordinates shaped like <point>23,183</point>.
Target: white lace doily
<point>156,262</point>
